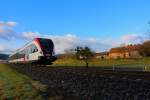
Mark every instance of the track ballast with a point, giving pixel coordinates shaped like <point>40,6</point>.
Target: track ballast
<point>90,83</point>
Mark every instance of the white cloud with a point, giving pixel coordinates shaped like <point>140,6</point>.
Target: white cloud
<point>5,49</point>
<point>65,42</point>
<point>70,41</point>
<point>2,24</point>
<point>11,24</point>
<point>2,48</point>
<point>132,38</point>
<point>6,30</point>
<point>99,44</point>
<point>7,33</point>
<point>30,35</point>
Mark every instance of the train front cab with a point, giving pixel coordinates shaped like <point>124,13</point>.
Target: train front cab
<point>47,51</point>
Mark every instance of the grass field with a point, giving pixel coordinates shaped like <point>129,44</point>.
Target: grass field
<point>16,86</point>
<point>103,62</point>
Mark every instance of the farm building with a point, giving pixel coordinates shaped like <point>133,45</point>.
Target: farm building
<point>101,55</point>
<point>129,51</point>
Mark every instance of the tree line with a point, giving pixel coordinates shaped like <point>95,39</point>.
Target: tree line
<point>144,49</point>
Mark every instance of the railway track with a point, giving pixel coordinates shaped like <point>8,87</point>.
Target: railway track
<point>134,73</point>
<point>91,83</point>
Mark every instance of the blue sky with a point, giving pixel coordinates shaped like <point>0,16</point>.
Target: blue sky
<point>98,20</point>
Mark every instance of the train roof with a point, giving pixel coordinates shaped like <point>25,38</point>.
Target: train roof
<point>25,46</point>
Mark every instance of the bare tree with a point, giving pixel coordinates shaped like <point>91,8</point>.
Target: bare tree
<point>84,53</point>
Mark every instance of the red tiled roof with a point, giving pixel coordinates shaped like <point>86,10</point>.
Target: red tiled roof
<point>124,49</point>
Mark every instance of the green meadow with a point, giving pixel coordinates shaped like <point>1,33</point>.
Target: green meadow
<point>16,86</point>
<point>103,62</point>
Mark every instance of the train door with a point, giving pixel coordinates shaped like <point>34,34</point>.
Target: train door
<point>34,53</point>
<point>27,53</point>
<point>24,60</point>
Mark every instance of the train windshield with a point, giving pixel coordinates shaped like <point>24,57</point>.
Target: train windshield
<point>47,45</point>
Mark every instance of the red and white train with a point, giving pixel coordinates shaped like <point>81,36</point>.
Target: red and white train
<point>38,51</point>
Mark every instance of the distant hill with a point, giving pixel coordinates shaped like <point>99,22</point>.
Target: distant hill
<point>4,56</point>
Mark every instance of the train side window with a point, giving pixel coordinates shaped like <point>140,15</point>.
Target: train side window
<point>20,54</point>
<point>34,48</point>
<point>28,51</point>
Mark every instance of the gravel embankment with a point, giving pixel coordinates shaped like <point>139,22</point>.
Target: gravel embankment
<point>89,84</point>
